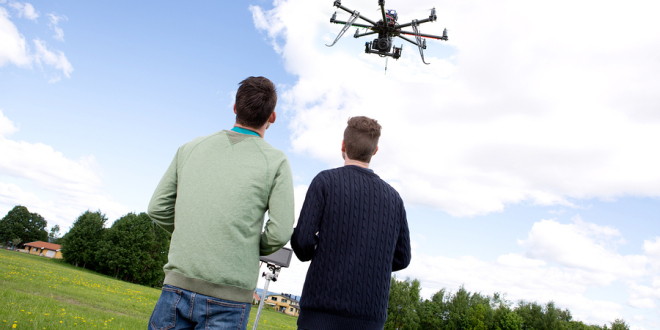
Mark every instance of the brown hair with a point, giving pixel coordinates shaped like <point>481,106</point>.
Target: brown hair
<point>361,138</point>
<point>255,101</point>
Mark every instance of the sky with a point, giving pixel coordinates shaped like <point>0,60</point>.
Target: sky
<point>526,152</point>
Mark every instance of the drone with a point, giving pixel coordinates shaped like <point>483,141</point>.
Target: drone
<point>386,28</point>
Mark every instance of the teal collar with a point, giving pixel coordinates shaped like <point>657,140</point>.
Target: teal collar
<point>245,131</point>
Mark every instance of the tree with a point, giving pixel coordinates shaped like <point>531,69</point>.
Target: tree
<point>54,235</point>
<point>619,324</point>
<point>433,313</point>
<point>506,319</point>
<point>531,314</point>
<point>152,271</point>
<point>403,303</point>
<point>15,242</point>
<point>555,318</point>
<point>79,245</point>
<point>458,309</point>
<point>134,249</point>
<point>19,223</point>
<point>476,317</point>
<point>481,311</point>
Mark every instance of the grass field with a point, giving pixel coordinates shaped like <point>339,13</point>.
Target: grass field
<point>41,293</point>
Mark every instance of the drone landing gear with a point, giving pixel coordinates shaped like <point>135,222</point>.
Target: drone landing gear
<point>421,43</point>
<point>274,272</point>
<point>354,16</point>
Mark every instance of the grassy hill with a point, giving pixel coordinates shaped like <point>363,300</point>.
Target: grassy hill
<point>41,293</point>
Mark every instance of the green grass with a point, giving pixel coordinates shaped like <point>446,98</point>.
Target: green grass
<point>41,293</point>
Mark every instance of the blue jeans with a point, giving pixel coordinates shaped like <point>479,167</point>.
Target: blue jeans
<point>178,309</point>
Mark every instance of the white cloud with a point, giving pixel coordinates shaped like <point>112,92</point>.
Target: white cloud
<point>63,188</point>
<point>643,296</point>
<point>526,110</point>
<point>7,127</point>
<point>24,10</point>
<point>13,48</point>
<point>299,193</point>
<point>56,58</point>
<point>519,277</point>
<point>562,262</point>
<point>54,21</point>
<point>585,246</point>
<point>642,303</point>
<point>11,194</point>
<point>652,247</point>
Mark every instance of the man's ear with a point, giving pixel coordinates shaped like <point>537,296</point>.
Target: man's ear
<point>376,150</point>
<point>235,108</point>
<point>343,146</point>
<point>272,117</point>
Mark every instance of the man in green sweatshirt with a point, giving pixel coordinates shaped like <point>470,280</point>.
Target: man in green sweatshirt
<point>212,199</point>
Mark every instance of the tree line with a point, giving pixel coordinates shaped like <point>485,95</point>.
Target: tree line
<point>464,310</point>
<point>133,249</point>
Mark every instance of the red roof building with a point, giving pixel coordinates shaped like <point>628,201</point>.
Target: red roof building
<point>45,249</point>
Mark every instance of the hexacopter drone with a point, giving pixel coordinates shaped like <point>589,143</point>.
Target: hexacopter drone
<point>387,28</point>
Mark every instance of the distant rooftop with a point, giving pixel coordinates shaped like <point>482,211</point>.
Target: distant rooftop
<point>44,245</point>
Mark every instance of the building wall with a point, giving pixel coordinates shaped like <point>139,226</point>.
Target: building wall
<point>34,250</point>
<point>292,311</point>
<point>39,252</point>
<point>283,304</point>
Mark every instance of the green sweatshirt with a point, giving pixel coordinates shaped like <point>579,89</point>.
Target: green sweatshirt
<point>213,198</point>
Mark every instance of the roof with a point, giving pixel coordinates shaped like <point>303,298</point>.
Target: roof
<point>287,296</point>
<point>256,296</point>
<point>45,245</point>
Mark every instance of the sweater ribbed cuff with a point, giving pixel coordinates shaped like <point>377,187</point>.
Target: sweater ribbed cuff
<point>314,320</point>
<point>226,292</point>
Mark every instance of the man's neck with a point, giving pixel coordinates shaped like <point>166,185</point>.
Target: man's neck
<point>261,131</point>
<point>348,161</point>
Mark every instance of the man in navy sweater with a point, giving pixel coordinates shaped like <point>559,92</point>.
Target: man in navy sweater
<point>353,227</point>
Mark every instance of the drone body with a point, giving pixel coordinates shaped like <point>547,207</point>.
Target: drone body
<point>387,29</point>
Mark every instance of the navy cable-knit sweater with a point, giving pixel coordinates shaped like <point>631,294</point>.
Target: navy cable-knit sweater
<point>362,238</point>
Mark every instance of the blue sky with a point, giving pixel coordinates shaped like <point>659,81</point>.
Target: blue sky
<point>526,152</point>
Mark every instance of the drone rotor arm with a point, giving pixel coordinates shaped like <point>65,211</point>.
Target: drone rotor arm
<point>381,3</point>
<point>408,40</point>
<point>353,24</point>
<point>358,35</point>
<point>424,35</point>
<point>426,20</point>
<point>339,5</point>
